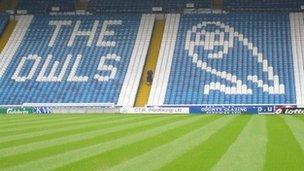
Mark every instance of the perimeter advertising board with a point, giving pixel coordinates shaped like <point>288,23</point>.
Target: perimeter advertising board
<point>2,111</point>
<point>154,110</point>
<point>232,109</point>
<point>17,110</point>
<point>289,110</point>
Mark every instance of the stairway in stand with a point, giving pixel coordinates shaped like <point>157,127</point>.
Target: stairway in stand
<point>7,33</point>
<point>151,61</point>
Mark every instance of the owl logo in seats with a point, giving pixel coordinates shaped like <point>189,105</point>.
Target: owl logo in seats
<point>217,39</point>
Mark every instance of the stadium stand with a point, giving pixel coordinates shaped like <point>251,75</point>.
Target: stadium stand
<point>139,6</point>
<point>75,59</point>
<point>4,18</point>
<point>235,58</point>
<point>45,6</point>
<point>269,5</point>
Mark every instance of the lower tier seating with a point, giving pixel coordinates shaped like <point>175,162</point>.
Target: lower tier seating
<point>235,58</point>
<point>75,59</point>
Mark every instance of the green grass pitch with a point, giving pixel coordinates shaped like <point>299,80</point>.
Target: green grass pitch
<point>151,142</point>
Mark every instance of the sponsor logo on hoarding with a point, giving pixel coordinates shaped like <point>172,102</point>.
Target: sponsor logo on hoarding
<point>18,111</point>
<point>167,110</point>
<point>290,111</point>
<point>232,109</point>
<point>279,111</point>
<point>294,111</point>
<point>224,109</point>
<point>43,110</point>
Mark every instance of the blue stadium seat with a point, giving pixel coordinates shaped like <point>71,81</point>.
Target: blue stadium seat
<point>45,6</point>
<point>139,6</point>
<point>235,58</point>
<point>74,59</point>
<point>269,5</point>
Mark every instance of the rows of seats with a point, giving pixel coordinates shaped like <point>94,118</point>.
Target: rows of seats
<point>137,6</point>
<point>4,18</point>
<point>301,5</point>
<point>75,59</point>
<point>270,5</point>
<point>235,58</point>
<point>45,6</point>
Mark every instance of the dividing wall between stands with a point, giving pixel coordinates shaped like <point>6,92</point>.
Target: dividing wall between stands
<point>297,36</point>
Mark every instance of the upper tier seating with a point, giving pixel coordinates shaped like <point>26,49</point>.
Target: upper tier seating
<point>4,18</point>
<point>236,58</point>
<point>75,59</point>
<point>140,6</point>
<point>301,5</point>
<point>270,5</point>
<point>45,6</point>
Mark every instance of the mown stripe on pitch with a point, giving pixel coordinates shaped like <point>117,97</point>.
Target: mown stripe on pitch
<point>108,159</point>
<point>59,160</point>
<point>13,124</point>
<point>296,126</point>
<point>58,149</point>
<point>25,117</point>
<point>21,118</point>
<point>249,150</point>
<point>90,120</point>
<point>15,118</point>
<point>42,126</point>
<point>166,153</point>
<point>301,117</point>
<point>24,148</point>
<point>283,150</point>
<point>208,151</point>
<point>29,137</point>
<point>16,124</point>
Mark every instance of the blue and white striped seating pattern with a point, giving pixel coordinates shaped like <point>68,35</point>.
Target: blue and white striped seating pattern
<point>71,64</point>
